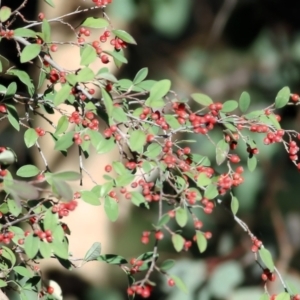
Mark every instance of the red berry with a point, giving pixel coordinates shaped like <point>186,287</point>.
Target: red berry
<point>50,290</point>
<point>171,282</point>
<point>108,168</point>
<point>145,240</point>
<point>159,235</point>
<point>41,16</point>
<point>53,48</point>
<point>295,97</point>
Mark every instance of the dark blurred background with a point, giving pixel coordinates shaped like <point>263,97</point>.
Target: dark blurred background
<point>220,48</point>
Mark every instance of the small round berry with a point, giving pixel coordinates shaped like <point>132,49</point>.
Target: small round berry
<point>50,290</point>
<point>108,168</point>
<point>171,282</point>
<point>53,48</point>
<point>159,235</point>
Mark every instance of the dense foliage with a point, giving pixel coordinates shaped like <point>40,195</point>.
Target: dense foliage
<point>145,119</point>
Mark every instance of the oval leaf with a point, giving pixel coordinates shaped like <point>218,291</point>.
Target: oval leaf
<point>266,258</point>
<point>181,216</point>
<point>202,99</point>
<point>282,97</point>
<point>244,101</point>
<point>178,242</point>
<point>229,106</point>
<point>30,52</point>
<point>28,171</point>
<point>201,241</point>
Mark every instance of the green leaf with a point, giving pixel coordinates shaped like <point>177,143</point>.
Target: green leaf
<point>201,241</point>
<point>64,142</point>
<point>30,137</point>
<point>211,191</point>
<point>107,76</point>
<point>222,150</point>
<point>203,180</point>
<point>137,198</point>
<point>62,95</point>
<point>283,296</point>
<point>85,74</point>
<point>153,151</point>
<point>87,55</point>
<point>163,220</point>
<point>181,216</point>
<point>4,64</point>
<point>50,2</point>
<point>23,77</point>
<point>282,97</point>
<point>30,52</point>
<point>124,36</point>
<point>31,245</point>
<point>229,106</point>
<point>2,283</point>
<point>42,78</point>
<point>202,99</point>
<point>111,208</point>
<point>172,121</point>
<point>252,163</point>
<point>13,207</point>
<point>28,171</point>
<point>67,175</point>
<point>158,91</point>
<point>90,197</point>
<point>5,13</point>
<point>46,30</point>
<point>95,22</point>
<point>167,265</point>
<point>62,125</point>
<point>105,146</point>
<point>124,179</point>
<point>119,115</point>
<point>137,140</point>
<point>13,117</point>
<point>107,102</point>
<point>24,32</point>
<point>62,189</point>
<point>274,121</point>
<point>113,259</point>
<point>178,242</point>
<point>93,253</point>
<point>117,55</point>
<point>60,248</point>
<point>140,76</point>
<point>264,297</point>
<point>244,101</point>
<point>23,271</point>
<point>11,90</point>
<point>50,220</point>
<point>179,283</point>
<point>45,249</point>
<point>266,258</point>
<point>234,205</point>
<point>146,84</point>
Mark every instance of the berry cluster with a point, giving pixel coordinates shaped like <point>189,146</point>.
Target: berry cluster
<point>89,120</point>
<point>40,131</point>
<point>143,291</point>
<point>293,150</point>
<point>56,76</point>
<point>63,209</point>
<point>6,237</point>
<point>256,244</point>
<point>274,137</point>
<point>44,235</point>
<point>7,34</point>
<point>268,275</point>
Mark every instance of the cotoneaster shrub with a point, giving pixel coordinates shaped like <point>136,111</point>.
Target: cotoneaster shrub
<point>145,120</point>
